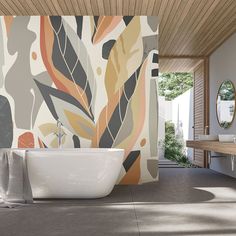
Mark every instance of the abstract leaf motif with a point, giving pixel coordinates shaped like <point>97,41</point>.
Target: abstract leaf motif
<point>50,129</point>
<point>153,23</point>
<point>112,121</point>
<point>79,124</point>
<point>8,22</point>
<point>153,119</point>
<point>79,21</point>
<point>122,119</point>
<point>6,125</point>
<point>66,108</point>
<point>84,59</point>
<point>133,174</point>
<point>2,60</point>
<point>41,143</point>
<point>27,98</point>
<point>62,62</point>
<point>67,62</point>
<point>106,48</point>
<point>149,43</point>
<point>131,158</point>
<point>76,141</point>
<point>104,26</point>
<point>132,167</point>
<point>26,140</point>
<point>125,57</point>
<point>152,166</point>
<point>127,19</point>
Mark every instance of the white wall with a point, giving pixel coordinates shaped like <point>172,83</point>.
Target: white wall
<point>179,111</point>
<point>161,125</point>
<point>182,114</point>
<point>168,110</point>
<point>222,67</point>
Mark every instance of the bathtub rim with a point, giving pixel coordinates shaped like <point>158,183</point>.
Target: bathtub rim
<point>80,150</point>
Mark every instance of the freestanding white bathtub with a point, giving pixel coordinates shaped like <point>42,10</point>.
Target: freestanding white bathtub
<point>73,173</point>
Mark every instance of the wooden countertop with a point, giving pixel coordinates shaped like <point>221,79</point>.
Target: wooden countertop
<point>215,146</point>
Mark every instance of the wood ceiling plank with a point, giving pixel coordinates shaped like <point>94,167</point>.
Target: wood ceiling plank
<point>178,65</point>
<point>101,9</point>
<point>94,6</point>
<point>113,7</point>
<point>150,7</point>
<point>6,9</point>
<point>41,7</point>
<point>193,29</point>
<point>193,21</point>
<point>228,34</point>
<point>163,65</point>
<point>161,12</point>
<point>70,7</point>
<point>222,33</point>
<point>169,10</point>
<point>201,30</point>
<point>220,37</point>
<point>63,6</point>
<point>12,9</point>
<point>224,18</point>
<point>30,8</point>
<point>165,35</point>
<point>55,7</point>
<point>132,4</point>
<point>144,7</point>
<point>38,8</point>
<point>107,7</point>
<point>156,8</point>
<point>119,7</point>
<point>49,7</point>
<point>76,7</point>
<point>169,21</point>
<point>82,7</point>
<point>138,7</point>
<point>200,38</point>
<point>22,7</point>
<point>88,7</point>
<point>176,24</point>
<point>125,7</point>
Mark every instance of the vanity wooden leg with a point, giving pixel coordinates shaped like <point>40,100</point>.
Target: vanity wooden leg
<point>232,162</point>
<point>209,157</point>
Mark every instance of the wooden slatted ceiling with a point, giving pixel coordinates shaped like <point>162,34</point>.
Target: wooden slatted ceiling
<point>187,27</point>
<point>178,64</point>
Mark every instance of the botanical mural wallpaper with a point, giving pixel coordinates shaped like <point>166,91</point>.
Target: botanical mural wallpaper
<point>96,75</point>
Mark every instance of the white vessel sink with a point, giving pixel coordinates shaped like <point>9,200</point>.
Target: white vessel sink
<point>208,137</point>
<point>228,138</point>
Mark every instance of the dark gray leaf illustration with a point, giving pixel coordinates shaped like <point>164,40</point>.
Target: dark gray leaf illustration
<point>6,125</point>
<point>66,60</point>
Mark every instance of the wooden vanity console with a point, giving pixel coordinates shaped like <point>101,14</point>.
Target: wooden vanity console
<point>214,146</point>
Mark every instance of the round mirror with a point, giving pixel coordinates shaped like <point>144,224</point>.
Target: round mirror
<point>225,104</point>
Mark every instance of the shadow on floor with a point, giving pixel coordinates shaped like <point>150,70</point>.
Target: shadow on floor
<point>183,202</point>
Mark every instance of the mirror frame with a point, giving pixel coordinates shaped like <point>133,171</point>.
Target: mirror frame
<point>230,123</point>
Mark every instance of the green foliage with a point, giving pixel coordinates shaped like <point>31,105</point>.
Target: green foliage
<point>225,124</point>
<point>171,85</point>
<point>174,148</point>
<point>226,91</point>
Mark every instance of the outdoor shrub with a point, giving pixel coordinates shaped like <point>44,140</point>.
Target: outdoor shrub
<point>174,147</point>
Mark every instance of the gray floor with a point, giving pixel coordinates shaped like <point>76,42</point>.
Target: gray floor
<point>184,202</point>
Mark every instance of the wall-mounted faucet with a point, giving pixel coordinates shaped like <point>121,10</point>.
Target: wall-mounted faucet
<point>60,133</point>
<point>206,130</point>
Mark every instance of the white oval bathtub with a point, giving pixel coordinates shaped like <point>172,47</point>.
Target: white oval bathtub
<point>73,173</point>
